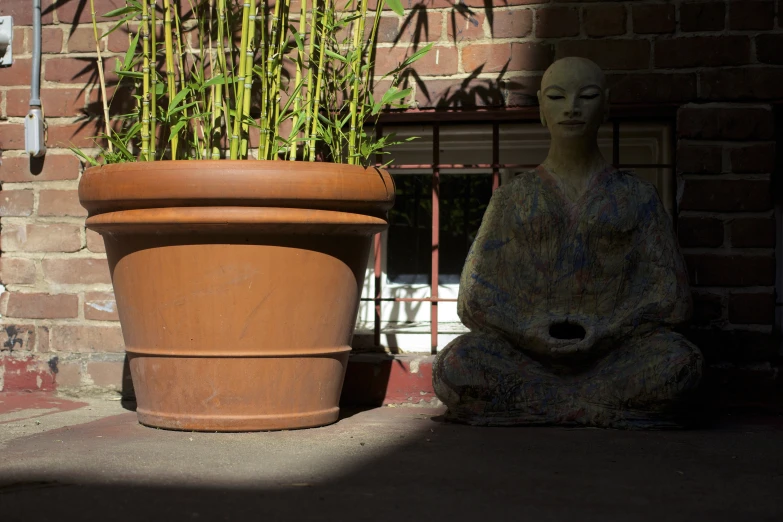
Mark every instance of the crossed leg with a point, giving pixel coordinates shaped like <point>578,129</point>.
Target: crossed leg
<point>485,380</point>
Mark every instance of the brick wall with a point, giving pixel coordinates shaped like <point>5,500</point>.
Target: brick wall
<point>719,62</point>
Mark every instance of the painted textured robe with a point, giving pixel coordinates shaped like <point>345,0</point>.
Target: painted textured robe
<point>608,261</point>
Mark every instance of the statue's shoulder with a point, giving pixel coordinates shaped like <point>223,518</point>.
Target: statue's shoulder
<point>631,182</point>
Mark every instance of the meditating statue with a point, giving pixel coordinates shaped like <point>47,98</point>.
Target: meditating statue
<point>571,288</point>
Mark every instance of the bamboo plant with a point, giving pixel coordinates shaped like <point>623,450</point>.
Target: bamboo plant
<point>263,80</point>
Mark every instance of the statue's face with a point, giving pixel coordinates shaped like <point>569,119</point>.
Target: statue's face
<point>573,99</point>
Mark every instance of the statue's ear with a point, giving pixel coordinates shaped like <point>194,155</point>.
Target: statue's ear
<point>541,108</point>
<point>606,104</point>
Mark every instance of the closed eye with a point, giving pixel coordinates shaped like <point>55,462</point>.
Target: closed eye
<point>589,96</point>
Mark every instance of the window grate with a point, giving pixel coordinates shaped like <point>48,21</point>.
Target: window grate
<point>435,168</point>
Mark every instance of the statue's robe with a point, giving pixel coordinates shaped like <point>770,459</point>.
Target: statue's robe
<point>608,262</point>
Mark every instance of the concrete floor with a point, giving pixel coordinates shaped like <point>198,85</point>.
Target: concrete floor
<point>91,460</point>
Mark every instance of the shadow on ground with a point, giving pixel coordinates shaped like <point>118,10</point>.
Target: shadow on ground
<point>394,464</point>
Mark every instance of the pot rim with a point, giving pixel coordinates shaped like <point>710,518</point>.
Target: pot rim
<point>245,183</point>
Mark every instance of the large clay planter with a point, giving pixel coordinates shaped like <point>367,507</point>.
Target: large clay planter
<point>237,284</point>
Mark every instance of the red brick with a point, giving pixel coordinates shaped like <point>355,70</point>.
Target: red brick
<point>557,22</point>
<point>100,306</point>
<point>423,27</point>
<point>720,123</point>
<point>23,14</point>
<point>726,195</point>
<point>752,233</point>
<point>756,83</point>
<point>86,339</point>
<point>521,91</point>
<point>702,51</point>
<point>654,19</point>
<point>16,271</point>
<point>699,159</point>
<point>707,308</point>
<point>81,40</point>
<point>53,237</point>
<point>730,270</point>
<point>16,203</point>
<point>51,40</point>
<point>464,27</point>
<point>81,135</point>
<point>769,48</point>
<point>68,375</point>
<point>700,232</point>
<point>753,159</point>
<point>702,16</point>
<point>56,167</point>
<point>56,102</point>
<point>95,242</point>
<point>18,39</point>
<point>77,70</point>
<point>388,28</point>
<point>17,337</point>
<point>76,271</point>
<point>42,306</point>
<point>752,308</point>
<point>60,203</point>
<point>11,136</point>
<point>750,15</point>
<point>106,374</point>
<point>441,60</point>
<point>483,3</point>
<point>18,74</point>
<point>75,11</point>
<point>609,54</point>
<point>652,88</point>
<point>605,20</point>
<point>507,56</point>
<point>512,24</point>
<point>473,92</point>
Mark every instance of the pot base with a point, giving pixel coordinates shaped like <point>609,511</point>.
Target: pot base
<point>238,423</point>
<point>237,393</point>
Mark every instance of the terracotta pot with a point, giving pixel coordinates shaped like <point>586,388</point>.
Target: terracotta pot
<point>237,284</point>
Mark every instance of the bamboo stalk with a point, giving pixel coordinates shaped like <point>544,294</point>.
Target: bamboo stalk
<point>145,70</point>
<point>262,121</point>
<point>101,77</point>
<point>169,48</point>
<point>154,80</point>
<point>309,95</point>
<point>241,79</point>
<point>293,148</point>
<point>370,55</point>
<point>276,121</point>
<point>356,65</point>
<point>319,78</point>
<point>250,54</point>
<point>270,76</point>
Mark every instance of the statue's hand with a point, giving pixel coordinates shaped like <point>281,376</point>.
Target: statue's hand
<point>563,348</point>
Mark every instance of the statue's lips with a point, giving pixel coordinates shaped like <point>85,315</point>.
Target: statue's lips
<point>572,123</point>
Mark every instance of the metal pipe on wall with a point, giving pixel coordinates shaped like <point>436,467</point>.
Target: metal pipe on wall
<point>34,133</point>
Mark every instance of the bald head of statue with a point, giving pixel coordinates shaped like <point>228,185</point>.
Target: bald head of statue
<point>573,99</point>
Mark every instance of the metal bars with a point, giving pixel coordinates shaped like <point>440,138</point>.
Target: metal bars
<point>436,168</point>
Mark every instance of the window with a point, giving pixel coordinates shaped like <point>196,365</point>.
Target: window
<point>466,173</point>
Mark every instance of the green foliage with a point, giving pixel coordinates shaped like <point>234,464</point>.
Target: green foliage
<point>301,82</point>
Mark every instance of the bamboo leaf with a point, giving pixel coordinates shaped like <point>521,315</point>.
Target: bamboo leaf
<point>84,156</point>
<point>336,56</point>
<point>178,98</point>
<point>122,10</point>
<point>128,61</point>
<point>396,6</point>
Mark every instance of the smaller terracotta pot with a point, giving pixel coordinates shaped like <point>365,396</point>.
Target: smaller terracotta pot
<point>237,284</point>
